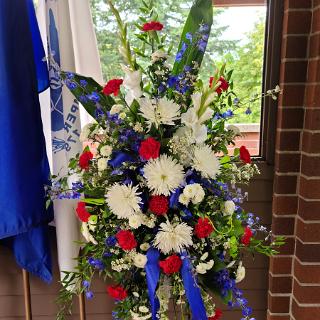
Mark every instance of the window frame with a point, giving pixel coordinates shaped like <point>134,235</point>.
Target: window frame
<point>271,71</point>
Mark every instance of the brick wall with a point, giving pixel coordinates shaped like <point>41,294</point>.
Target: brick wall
<point>294,275</point>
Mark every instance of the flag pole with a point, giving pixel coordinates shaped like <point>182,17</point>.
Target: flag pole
<point>82,306</point>
<point>27,295</point>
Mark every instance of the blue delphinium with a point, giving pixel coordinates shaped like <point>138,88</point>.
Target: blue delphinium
<point>71,85</point>
<point>83,82</point>
<point>181,52</point>
<point>94,96</point>
<point>248,111</point>
<point>96,263</point>
<point>111,241</point>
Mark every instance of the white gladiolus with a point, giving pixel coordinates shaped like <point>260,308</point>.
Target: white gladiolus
<point>203,267</point>
<point>132,82</point>
<point>86,233</point>
<point>241,272</point>
<point>229,208</point>
<point>140,260</point>
<point>85,132</point>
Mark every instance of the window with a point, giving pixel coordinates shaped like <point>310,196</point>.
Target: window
<point>238,38</point>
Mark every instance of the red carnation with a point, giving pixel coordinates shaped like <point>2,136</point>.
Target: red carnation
<point>203,228</point>
<point>112,86</point>
<point>82,212</point>
<point>149,149</point>
<point>246,238</point>
<point>171,265</point>
<point>84,160</point>
<point>217,315</point>
<point>117,292</point>
<point>224,84</point>
<point>245,155</point>
<point>152,26</point>
<point>126,240</point>
<point>159,205</point>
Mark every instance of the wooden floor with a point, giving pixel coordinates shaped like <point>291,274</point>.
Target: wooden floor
<point>100,308</point>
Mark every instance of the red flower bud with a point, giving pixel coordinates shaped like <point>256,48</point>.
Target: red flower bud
<point>82,212</point>
<point>245,155</point>
<point>117,292</point>
<point>149,149</point>
<point>84,160</point>
<point>152,26</point>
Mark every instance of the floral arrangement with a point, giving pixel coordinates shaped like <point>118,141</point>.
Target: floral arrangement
<point>159,197</point>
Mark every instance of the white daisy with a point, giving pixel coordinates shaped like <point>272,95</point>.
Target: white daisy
<point>163,175</point>
<point>123,200</point>
<point>205,161</point>
<point>173,238</point>
<point>162,111</point>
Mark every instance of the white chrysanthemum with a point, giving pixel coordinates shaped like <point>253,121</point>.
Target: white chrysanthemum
<point>173,238</point>
<point>229,208</point>
<point>163,175</point>
<point>116,108</point>
<point>140,260</point>
<point>241,272</point>
<point>203,267</point>
<point>102,164</point>
<point>162,111</point>
<point>135,221</point>
<point>123,200</point>
<point>205,161</point>
<point>106,151</point>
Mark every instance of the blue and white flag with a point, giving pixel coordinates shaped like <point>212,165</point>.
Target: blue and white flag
<point>24,168</point>
<point>72,47</point>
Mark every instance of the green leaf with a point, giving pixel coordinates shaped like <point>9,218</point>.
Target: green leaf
<point>98,202</point>
<point>79,91</point>
<point>201,13</point>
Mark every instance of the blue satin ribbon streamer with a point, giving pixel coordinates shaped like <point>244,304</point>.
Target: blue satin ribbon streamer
<point>152,274</point>
<point>192,290</point>
<point>119,158</point>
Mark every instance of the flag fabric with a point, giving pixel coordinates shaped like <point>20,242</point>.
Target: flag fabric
<point>24,166</point>
<point>72,43</point>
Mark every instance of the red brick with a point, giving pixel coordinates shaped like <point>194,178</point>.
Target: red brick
<point>293,71</point>
<point>280,265</point>
<point>295,47</point>
<point>313,71</point>
<point>309,210</point>
<point>310,165</point>
<point>309,189</point>
<point>285,184</point>
<point>287,162</point>
<point>308,232</point>
<point>310,141</point>
<point>288,247</point>
<point>292,95</point>
<point>288,141</point>
<point>314,45</point>
<point>297,22</point>
<point>284,205</point>
<point>297,4</point>
<point>316,21</point>
<point>305,313</point>
<point>277,317</point>
<point>278,304</point>
<point>306,273</point>
<point>290,118</point>
<point>283,226</point>
<point>306,294</point>
<point>307,252</point>
<point>313,92</point>
<point>280,284</point>
<point>312,119</point>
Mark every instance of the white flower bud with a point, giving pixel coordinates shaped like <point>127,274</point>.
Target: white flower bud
<point>229,208</point>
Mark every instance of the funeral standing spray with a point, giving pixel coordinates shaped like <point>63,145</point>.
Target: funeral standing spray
<point>159,203</point>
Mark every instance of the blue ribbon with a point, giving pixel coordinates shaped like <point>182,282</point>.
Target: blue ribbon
<point>191,287</point>
<point>153,274</point>
<point>119,158</point>
<point>192,290</point>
